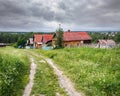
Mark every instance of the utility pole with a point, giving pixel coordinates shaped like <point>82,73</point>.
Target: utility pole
<point>59,26</point>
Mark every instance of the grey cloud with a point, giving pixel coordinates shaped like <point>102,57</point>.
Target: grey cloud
<point>32,15</point>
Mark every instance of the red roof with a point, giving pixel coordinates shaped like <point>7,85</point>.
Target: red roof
<point>38,38</point>
<point>47,37</point>
<point>73,36</point>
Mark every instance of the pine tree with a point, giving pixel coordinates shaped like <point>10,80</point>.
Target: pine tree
<point>59,35</point>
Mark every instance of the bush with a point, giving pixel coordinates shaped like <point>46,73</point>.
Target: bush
<point>12,75</point>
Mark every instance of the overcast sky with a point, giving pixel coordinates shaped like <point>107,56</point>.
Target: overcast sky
<point>46,15</point>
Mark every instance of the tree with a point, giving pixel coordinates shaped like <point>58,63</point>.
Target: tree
<point>117,37</point>
<point>59,35</point>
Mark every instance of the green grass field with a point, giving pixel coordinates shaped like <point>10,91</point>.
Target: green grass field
<point>14,71</point>
<point>94,71</point>
<point>16,65</point>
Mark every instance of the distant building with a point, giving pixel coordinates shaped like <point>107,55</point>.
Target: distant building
<point>106,43</point>
<point>37,39</point>
<point>47,38</point>
<point>29,43</point>
<point>3,44</point>
<point>73,39</point>
<point>42,40</point>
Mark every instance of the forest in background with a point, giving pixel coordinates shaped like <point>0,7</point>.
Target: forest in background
<point>17,39</point>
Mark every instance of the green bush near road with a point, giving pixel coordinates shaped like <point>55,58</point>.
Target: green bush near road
<point>14,71</point>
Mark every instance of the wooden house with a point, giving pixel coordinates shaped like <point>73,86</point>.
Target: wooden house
<point>47,38</point>
<point>42,40</point>
<point>73,39</point>
<point>37,41</point>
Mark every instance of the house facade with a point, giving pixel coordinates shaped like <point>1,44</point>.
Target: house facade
<point>3,44</point>
<point>29,43</point>
<point>73,39</point>
<point>41,40</point>
<point>37,40</point>
<point>106,43</point>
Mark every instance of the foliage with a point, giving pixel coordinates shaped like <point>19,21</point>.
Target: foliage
<point>59,35</point>
<point>117,37</point>
<point>105,35</point>
<point>16,38</point>
<point>14,72</point>
<point>21,41</point>
<point>94,71</point>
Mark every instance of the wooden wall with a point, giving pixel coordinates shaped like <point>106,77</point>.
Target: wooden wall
<point>72,43</point>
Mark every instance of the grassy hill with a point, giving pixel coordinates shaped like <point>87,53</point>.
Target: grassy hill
<point>14,71</point>
<point>94,71</point>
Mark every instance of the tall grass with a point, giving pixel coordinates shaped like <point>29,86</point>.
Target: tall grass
<point>14,70</point>
<point>94,71</point>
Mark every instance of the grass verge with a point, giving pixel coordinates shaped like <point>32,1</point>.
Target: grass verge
<point>94,71</point>
<point>45,82</point>
<point>14,70</point>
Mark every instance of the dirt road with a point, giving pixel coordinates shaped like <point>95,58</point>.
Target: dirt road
<point>63,80</point>
<point>31,76</point>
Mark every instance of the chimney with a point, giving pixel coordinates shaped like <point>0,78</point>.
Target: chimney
<point>69,30</point>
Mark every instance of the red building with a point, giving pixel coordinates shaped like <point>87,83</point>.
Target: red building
<point>74,39</point>
<point>42,39</point>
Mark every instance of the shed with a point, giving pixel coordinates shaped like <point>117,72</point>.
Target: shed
<point>106,43</point>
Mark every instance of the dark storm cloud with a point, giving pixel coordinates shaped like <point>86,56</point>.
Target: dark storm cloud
<point>94,13</point>
<point>42,14</point>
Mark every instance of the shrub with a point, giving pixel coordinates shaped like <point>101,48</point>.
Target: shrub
<point>12,75</point>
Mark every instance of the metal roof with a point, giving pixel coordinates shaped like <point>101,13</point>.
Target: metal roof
<point>74,36</point>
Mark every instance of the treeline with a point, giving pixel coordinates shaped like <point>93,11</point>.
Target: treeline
<point>21,38</point>
<point>105,35</point>
<point>15,38</point>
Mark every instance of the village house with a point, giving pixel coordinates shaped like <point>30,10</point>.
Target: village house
<point>106,43</point>
<point>29,43</point>
<point>41,40</point>
<point>3,44</point>
<point>47,38</point>
<point>73,39</point>
<point>37,41</point>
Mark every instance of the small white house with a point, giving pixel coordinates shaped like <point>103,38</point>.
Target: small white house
<point>106,43</point>
<point>29,43</point>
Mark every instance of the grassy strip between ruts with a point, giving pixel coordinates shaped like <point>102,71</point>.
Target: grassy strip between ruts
<point>45,82</point>
<point>14,71</point>
<point>94,71</point>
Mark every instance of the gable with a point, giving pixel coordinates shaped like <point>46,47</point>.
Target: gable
<point>47,37</point>
<point>73,36</point>
<point>38,38</point>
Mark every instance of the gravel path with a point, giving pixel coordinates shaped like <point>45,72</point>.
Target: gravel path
<point>63,80</point>
<point>29,86</point>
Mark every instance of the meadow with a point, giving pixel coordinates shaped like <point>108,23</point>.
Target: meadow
<point>14,71</point>
<point>95,72</point>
